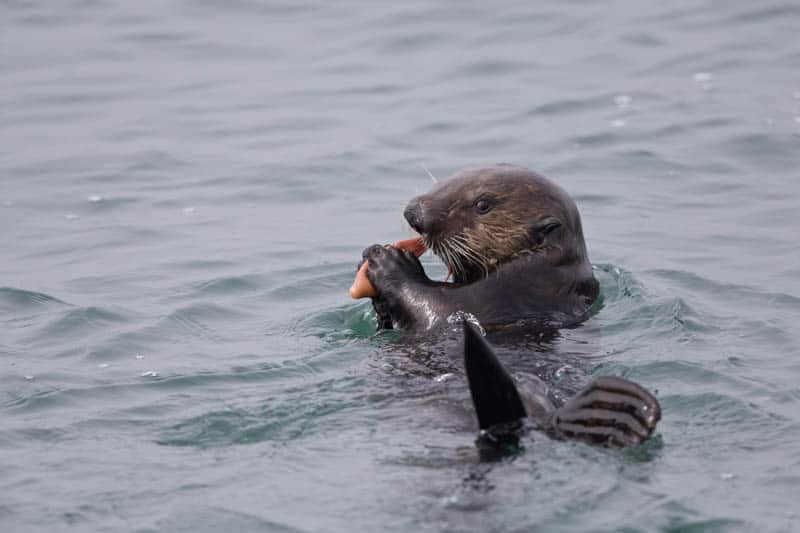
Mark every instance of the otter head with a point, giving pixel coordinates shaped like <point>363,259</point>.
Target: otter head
<point>479,219</point>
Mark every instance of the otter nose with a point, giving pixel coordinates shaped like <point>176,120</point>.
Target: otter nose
<point>413,214</point>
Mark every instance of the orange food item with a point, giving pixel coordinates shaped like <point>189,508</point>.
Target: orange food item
<point>415,246</point>
<point>362,288</point>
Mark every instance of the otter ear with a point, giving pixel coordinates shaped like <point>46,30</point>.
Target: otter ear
<point>493,391</point>
<point>540,229</point>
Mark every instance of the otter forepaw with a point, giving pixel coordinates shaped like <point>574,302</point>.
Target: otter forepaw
<point>611,411</point>
<point>390,268</point>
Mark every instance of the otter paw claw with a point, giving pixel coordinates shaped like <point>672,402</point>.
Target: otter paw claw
<point>611,411</point>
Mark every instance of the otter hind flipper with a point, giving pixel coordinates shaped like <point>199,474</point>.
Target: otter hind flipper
<point>493,391</point>
<point>611,411</point>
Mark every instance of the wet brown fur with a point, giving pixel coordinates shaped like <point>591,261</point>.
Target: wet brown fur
<point>473,245</point>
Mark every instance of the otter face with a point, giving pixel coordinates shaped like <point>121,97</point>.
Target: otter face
<point>479,219</point>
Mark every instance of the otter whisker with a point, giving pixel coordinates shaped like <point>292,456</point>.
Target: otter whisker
<point>450,258</point>
<point>463,257</point>
<point>459,255</point>
<point>458,250</point>
<point>452,262</point>
<point>433,178</point>
<point>461,247</point>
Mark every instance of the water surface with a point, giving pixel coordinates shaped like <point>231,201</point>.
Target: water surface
<point>185,189</point>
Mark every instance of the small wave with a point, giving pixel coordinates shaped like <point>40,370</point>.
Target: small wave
<point>341,323</point>
<point>311,281</point>
<point>490,68</point>
<point>153,161</point>
<point>287,417</point>
<point>200,264</point>
<point>629,307</point>
<point>13,300</point>
<point>764,150</point>
<point>407,43</point>
<point>729,291</point>
<point>685,524</point>
<point>563,107</point>
<point>132,391</point>
<point>158,37</point>
<point>598,199</point>
<point>212,518</point>
<point>102,204</point>
<point>23,437</point>
<point>679,373</point>
<point>226,285</point>
<point>80,322</point>
<point>195,320</point>
<point>725,412</point>
<point>759,15</point>
<point>437,127</point>
<point>662,317</point>
<point>617,284</point>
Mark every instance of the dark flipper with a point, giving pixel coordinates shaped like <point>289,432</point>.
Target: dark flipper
<point>611,411</point>
<point>494,393</point>
<point>382,315</point>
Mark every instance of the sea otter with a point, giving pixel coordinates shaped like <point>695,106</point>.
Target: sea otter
<point>513,244</point>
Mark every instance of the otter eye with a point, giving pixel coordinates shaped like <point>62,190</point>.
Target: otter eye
<point>550,227</point>
<point>483,206</point>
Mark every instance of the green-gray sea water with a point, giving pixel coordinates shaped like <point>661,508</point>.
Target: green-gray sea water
<point>185,191</point>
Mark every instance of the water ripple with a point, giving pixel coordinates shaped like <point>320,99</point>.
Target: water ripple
<point>282,419</point>
<point>14,300</point>
<point>185,193</point>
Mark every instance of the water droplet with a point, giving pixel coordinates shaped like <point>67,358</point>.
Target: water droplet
<point>702,77</point>
<point>95,198</point>
<point>450,500</point>
<point>443,377</point>
<point>150,374</point>
<point>139,357</point>
<point>102,365</point>
<point>188,210</point>
<point>622,100</point>
<point>618,123</point>
<point>29,377</point>
<point>459,316</point>
<point>727,476</point>
<point>562,372</point>
<point>70,216</point>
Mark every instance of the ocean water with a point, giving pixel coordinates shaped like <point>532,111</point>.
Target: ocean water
<point>186,188</point>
